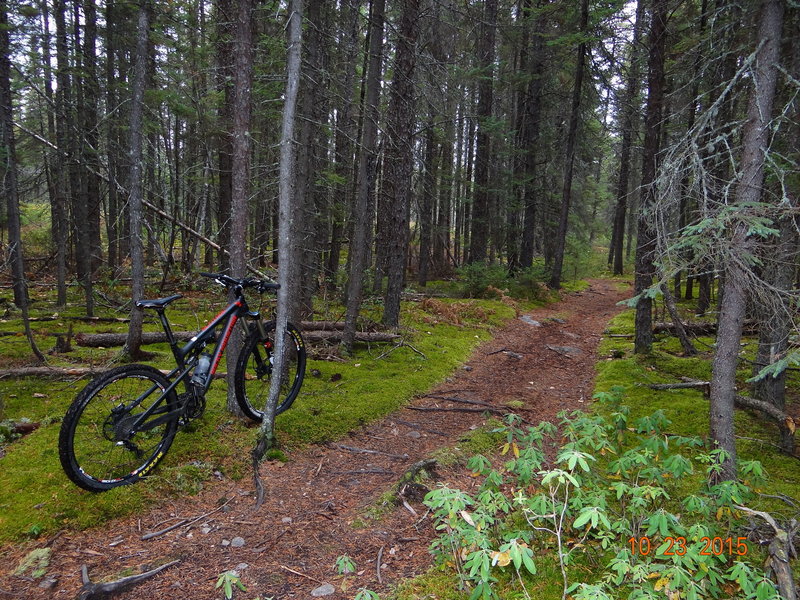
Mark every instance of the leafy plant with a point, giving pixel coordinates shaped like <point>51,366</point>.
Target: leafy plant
<point>345,565</point>
<point>616,495</point>
<point>228,580</point>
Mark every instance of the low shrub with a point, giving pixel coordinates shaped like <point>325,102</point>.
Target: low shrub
<point>622,496</point>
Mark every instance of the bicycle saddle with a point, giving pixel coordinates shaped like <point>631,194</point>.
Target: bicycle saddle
<point>158,302</point>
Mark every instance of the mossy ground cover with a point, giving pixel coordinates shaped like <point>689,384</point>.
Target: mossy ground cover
<point>688,408</point>
<point>37,499</point>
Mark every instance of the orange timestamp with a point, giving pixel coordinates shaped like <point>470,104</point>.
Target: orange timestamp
<point>677,546</point>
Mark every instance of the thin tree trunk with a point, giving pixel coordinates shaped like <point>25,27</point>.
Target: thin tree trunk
<point>627,124</point>
<point>426,210</point>
<point>479,226</point>
<point>240,170</point>
<point>135,191</point>
<point>399,158</point>
<point>531,110</point>
<point>287,245</point>
<point>113,216</point>
<point>60,200</point>
<point>748,193</point>
<point>91,150</point>
<point>225,64</point>
<point>366,174</point>
<point>569,163</point>
<point>8,173</point>
<point>645,245</point>
<point>776,324</point>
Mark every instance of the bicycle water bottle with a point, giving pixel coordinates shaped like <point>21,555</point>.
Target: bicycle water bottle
<point>201,370</point>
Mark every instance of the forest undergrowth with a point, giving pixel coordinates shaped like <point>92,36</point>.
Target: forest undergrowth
<point>615,486</point>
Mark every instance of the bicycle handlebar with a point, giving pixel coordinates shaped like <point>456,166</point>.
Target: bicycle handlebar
<point>248,282</point>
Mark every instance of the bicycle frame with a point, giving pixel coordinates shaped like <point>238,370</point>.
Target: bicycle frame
<point>230,316</point>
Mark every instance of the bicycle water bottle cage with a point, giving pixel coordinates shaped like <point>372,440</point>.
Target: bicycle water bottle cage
<point>158,303</point>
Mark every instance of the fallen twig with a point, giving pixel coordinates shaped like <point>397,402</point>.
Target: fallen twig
<point>401,345</point>
<point>153,534</point>
<point>285,568</point>
<point>366,451</point>
<point>363,472</point>
<point>185,522</point>
<point>420,427</point>
<point>409,508</point>
<point>378,567</point>
<point>92,591</point>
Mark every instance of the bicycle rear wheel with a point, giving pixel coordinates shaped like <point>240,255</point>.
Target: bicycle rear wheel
<point>97,447</point>
<point>254,371</point>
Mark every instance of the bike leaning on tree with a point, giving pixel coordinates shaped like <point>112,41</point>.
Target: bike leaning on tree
<point>124,421</point>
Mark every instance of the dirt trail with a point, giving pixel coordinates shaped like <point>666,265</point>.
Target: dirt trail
<point>315,504</point>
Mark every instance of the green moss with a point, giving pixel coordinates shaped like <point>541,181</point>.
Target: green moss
<point>688,409</point>
<point>35,563</point>
<point>373,383</point>
<point>432,584</point>
<point>482,440</point>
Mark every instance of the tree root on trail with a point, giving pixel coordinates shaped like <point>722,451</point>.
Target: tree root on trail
<point>96,591</point>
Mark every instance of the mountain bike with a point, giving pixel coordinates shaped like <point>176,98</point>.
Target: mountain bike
<point>124,421</point>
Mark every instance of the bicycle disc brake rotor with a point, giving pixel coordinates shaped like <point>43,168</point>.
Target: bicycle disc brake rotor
<point>195,405</point>
<point>117,428</point>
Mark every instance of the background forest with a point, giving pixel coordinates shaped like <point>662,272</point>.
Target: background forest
<point>498,140</point>
<point>352,149</point>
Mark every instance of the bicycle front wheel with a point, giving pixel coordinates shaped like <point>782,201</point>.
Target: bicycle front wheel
<point>103,444</point>
<point>254,371</point>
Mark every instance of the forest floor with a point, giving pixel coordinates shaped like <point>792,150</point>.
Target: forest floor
<point>325,501</point>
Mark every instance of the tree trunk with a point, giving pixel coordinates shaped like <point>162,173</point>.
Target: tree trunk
<point>240,171</point>
<point>531,110</point>
<point>91,132</point>
<point>627,120</point>
<point>645,243</point>
<point>776,324</point>
<point>479,228</point>
<point>8,174</point>
<point>345,127</point>
<point>135,187</point>
<point>113,216</point>
<point>399,158</point>
<point>748,192</point>
<point>61,199</point>
<point>426,202</point>
<point>366,174</point>
<point>288,245</point>
<point>569,161</point>
<point>225,65</point>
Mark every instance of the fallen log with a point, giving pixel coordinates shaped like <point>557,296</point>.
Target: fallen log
<point>107,340</point>
<point>84,319</point>
<point>361,336</point>
<point>48,372</point>
<point>69,372</point>
<point>702,328</point>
